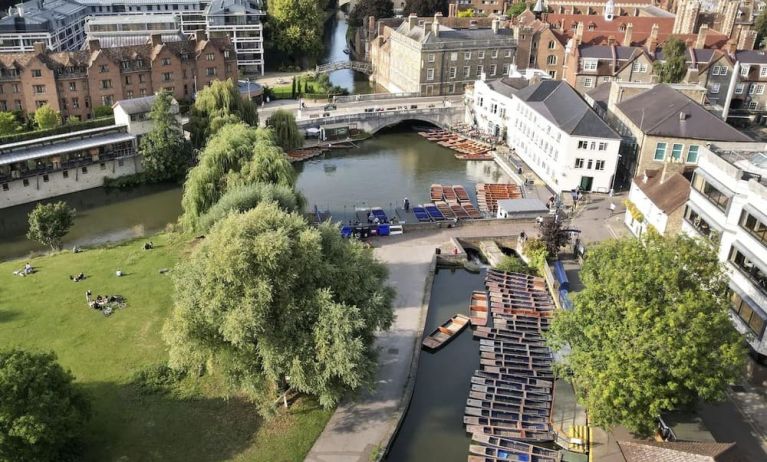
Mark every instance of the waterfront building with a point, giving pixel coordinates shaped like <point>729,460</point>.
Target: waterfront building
<point>46,167</point>
<point>76,82</point>
<point>134,114</point>
<point>726,206</point>
<point>656,199</point>
<point>61,24</point>
<point>427,57</point>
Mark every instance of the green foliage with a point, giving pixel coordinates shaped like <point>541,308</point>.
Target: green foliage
<point>41,412</point>
<point>650,330</point>
<point>8,123</point>
<point>245,197</point>
<point>102,111</point>
<point>165,153</point>
<point>511,264</point>
<point>467,13</point>
<point>553,236</point>
<point>216,105</point>
<point>285,130</point>
<point>516,9</point>
<point>157,378</point>
<point>269,301</point>
<point>536,253</point>
<point>46,117</point>
<point>297,26</point>
<point>760,26</point>
<point>365,8</point>
<point>49,223</point>
<point>426,7</point>
<point>69,127</point>
<point>674,67</point>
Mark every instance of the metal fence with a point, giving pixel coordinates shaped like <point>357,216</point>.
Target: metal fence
<point>374,97</point>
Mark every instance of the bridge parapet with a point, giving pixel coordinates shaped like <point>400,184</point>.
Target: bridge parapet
<point>359,66</point>
<point>371,122</point>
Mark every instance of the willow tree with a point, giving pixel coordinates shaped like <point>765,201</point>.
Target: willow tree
<point>269,164</point>
<point>241,198</point>
<point>270,302</point>
<point>217,105</point>
<point>286,132</point>
<point>650,330</point>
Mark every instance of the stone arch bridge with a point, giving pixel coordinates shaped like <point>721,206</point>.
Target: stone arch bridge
<point>372,122</point>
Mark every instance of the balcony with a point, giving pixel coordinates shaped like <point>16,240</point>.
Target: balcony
<point>111,154</point>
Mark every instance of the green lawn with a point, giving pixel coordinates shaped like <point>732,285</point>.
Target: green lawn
<point>196,420</point>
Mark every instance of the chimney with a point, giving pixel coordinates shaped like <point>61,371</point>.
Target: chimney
<point>40,48</point>
<point>495,25</point>
<point>627,36</point>
<point>512,70</point>
<point>652,42</point>
<point>747,40</point>
<point>412,21</point>
<point>435,24</point>
<point>731,47</point>
<point>700,42</point>
<point>611,41</point>
<point>371,25</point>
<point>156,40</point>
<point>664,173</point>
<point>535,79</point>
<point>579,33</point>
<point>199,36</point>
<point>94,45</point>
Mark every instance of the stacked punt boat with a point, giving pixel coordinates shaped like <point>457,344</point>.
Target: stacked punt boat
<point>508,411</point>
<point>488,195</point>
<point>465,148</point>
<point>453,202</point>
<point>299,155</point>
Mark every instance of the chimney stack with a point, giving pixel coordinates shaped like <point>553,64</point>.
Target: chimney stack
<point>611,41</point>
<point>199,36</point>
<point>495,25</point>
<point>579,33</point>
<point>94,45</point>
<point>40,48</point>
<point>156,39</point>
<point>435,24</point>
<point>700,42</point>
<point>412,21</point>
<point>731,47</point>
<point>747,40</point>
<point>627,36</point>
<point>652,42</point>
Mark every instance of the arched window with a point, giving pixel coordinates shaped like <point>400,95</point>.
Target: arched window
<point>551,59</point>
<point>552,44</point>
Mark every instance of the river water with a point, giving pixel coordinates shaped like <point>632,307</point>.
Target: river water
<point>335,43</point>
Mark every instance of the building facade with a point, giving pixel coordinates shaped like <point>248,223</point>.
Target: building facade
<point>656,200</point>
<point>75,83</point>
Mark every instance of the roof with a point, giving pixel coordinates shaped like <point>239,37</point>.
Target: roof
<point>666,451</point>
<point>140,105</point>
<point>663,118</point>
<point>751,57</point>
<point>508,86</point>
<point>606,52</point>
<point>63,147</point>
<point>449,35</point>
<point>667,196</point>
<point>522,205</point>
<point>559,103</point>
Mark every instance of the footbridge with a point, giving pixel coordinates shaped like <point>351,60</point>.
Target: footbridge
<point>371,122</point>
<point>359,66</point>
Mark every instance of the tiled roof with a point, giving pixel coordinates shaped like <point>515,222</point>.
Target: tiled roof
<point>751,57</point>
<point>654,451</point>
<point>667,196</point>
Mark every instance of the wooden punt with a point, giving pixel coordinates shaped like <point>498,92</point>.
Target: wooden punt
<point>507,443</point>
<point>478,308</point>
<point>508,407</point>
<point>539,311</point>
<point>521,435</point>
<point>537,422</point>
<point>514,370</point>
<point>516,362</point>
<point>449,193</point>
<point>517,290</point>
<point>514,275</point>
<point>511,296</point>
<point>503,347</point>
<point>512,323</point>
<point>511,400</point>
<point>533,307</point>
<point>460,193</point>
<point>519,335</point>
<point>436,192</point>
<point>507,391</point>
<point>483,377</point>
<point>493,454</point>
<point>493,351</point>
<point>446,332</point>
<point>445,209</point>
<point>506,337</point>
<point>471,210</point>
<point>542,359</point>
<point>459,212</point>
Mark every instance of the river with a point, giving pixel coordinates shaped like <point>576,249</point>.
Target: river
<point>335,43</point>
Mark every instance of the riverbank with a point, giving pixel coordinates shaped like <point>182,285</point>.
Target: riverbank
<point>193,419</point>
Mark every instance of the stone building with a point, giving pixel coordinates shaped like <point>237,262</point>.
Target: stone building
<point>76,82</point>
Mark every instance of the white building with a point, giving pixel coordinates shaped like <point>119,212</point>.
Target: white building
<point>657,199</point>
<point>134,114</point>
<point>728,205</point>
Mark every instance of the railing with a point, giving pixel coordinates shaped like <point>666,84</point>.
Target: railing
<point>353,65</point>
<point>360,116</point>
<point>69,165</point>
<point>374,97</point>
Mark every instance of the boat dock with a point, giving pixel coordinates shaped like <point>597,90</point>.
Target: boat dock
<point>465,148</point>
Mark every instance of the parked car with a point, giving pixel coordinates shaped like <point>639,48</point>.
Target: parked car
<point>330,107</point>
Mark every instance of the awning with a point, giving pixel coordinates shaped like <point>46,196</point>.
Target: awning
<point>61,148</point>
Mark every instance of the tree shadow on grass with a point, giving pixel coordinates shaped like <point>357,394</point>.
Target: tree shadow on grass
<point>8,315</point>
<point>127,425</point>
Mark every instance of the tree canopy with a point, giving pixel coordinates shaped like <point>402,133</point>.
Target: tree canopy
<point>297,26</point>
<point>286,132</point>
<point>674,66</point>
<point>553,235</point>
<point>650,330</point>
<point>217,105</point>
<point>365,8</point>
<point>41,412</point>
<point>8,123</point>
<point>241,198</point>
<point>467,13</point>
<point>760,26</point>
<point>516,9</point>
<point>49,223</point>
<point>269,301</point>
<point>46,117</point>
<point>426,7</point>
<point>165,153</point>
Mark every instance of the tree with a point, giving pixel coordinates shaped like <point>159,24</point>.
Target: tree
<point>8,123</point>
<point>165,152</point>
<point>674,66</point>
<point>242,198</point>
<point>49,223</point>
<point>268,164</point>
<point>366,8</point>
<point>42,412</point>
<point>103,111</point>
<point>553,235</point>
<point>760,26</point>
<point>650,330</point>
<point>516,9</point>
<point>512,264</point>
<point>286,132</point>
<point>270,302</point>
<point>426,7</point>
<point>297,26</point>
<point>216,105</point>
<point>467,13</point>
<point>46,117</point>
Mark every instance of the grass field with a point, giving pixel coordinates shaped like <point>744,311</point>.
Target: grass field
<point>195,420</point>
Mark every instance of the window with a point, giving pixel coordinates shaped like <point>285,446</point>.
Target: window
<point>589,64</point>
<point>450,88</point>
<point>481,54</point>
<point>676,151</point>
<point>749,268</point>
<point>40,103</point>
<point>452,71</point>
<point>210,56</point>
<point>38,88</point>
<point>84,169</point>
<point>166,61</point>
<point>467,55</point>
<point>227,54</point>
<point>107,100</point>
<point>551,60</point>
<point>25,182</point>
<point>72,86</point>
<point>103,68</point>
<point>589,164</point>
<point>507,53</point>
<point>744,70</point>
<point>762,71</point>
<point>141,78</point>
<point>715,70</point>
<point>432,57</point>
<point>754,226</point>
<point>660,151</point>
<point>692,154</point>
<point>579,162</point>
<point>752,105</point>
<point>106,84</point>
<point>552,45</point>
<point>723,70</point>
<point>600,165</point>
<point>760,89</point>
<point>466,72</point>
<point>494,53</point>
<point>715,87</point>
<point>480,68</point>
<point>714,195</point>
<point>37,73</point>
<point>747,314</point>
<point>695,220</point>
<point>739,89</point>
<point>167,76</point>
<point>751,89</point>
<point>75,103</point>
<point>45,178</point>
<point>493,69</point>
<point>429,74</point>
<point>588,82</point>
<point>553,74</point>
<point>211,71</point>
<point>453,56</point>
<point>125,64</point>
<point>583,144</point>
<point>602,146</point>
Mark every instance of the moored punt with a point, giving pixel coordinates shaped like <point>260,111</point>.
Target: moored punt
<point>541,373</point>
<point>533,363</point>
<point>433,212</point>
<point>508,424</point>
<point>492,454</point>
<point>508,443</point>
<point>459,212</point>
<point>478,308</point>
<point>449,193</point>
<point>521,435</point>
<point>510,337</point>
<point>444,209</point>
<point>510,390</point>
<point>516,289</point>
<point>541,359</point>
<point>511,400</point>
<point>513,349</point>
<point>471,210</point>
<point>519,322</point>
<point>533,310</point>
<point>461,193</point>
<point>421,214</point>
<point>497,379</point>
<point>512,275</point>
<point>436,192</point>
<point>514,408</point>
<point>446,332</point>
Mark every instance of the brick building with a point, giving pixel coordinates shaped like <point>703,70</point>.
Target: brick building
<point>76,82</point>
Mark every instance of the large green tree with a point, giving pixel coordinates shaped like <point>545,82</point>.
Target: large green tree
<point>8,123</point>
<point>46,117</point>
<point>241,198</point>
<point>760,26</point>
<point>49,223</point>
<point>674,66</point>
<point>516,9</point>
<point>650,330</point>
<point>270,302</point>
<point>365,8</point>
<point>217,105</point>
<point>426,7</point>
<point>165,153</point>
<point>297,26</point>
<point>42,414</point>
<point>286,132</point>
